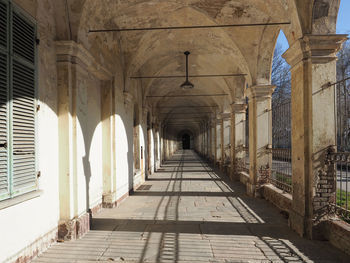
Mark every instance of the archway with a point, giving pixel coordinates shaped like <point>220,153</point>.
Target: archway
<point>186,141</point>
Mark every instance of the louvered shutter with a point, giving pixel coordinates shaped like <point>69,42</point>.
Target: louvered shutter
<point>4,173</point>
<point>23,105</point>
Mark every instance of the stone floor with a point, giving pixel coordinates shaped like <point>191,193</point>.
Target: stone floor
<point>186,212</point>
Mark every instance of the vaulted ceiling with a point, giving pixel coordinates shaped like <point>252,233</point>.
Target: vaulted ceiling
<point>230,50</point>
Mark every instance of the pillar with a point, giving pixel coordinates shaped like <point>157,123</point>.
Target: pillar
<point>237,138</point>
<point>313,65</point>
<point>109,197</point>
<point>260,136</point>
<point>74,219</point>
<point>213,141</point>
<point>218,141</point>
<point>225,145</point>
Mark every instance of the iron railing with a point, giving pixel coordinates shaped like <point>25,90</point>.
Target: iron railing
<point>243,164</point>
<point>343,115</point>
<point>281,172</point>
<point>341,162</point>
<point>341,159</point>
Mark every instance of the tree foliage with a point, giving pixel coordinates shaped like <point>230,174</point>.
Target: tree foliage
<point>280,77</point>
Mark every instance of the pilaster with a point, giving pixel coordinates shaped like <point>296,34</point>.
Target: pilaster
<point>71,58</point>
<point>260,136</point>
<point>313,66</point>
<point>237,137</point>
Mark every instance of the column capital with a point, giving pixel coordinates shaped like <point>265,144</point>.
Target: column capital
<point>128,98</point>
<point>260,92</point>
<point>238,108</point>
<point>75,53</point>
<point>224,116</point>
<point>319,48</point>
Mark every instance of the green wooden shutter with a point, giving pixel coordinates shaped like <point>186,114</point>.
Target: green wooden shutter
<point>4,173</point>
<point>23,105</point>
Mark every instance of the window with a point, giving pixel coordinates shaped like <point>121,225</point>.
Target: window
<point>17,102</point>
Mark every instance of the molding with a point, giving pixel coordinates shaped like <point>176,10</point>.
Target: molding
<point>320,49</point>
<point>71,51</point>
<point>260,92</point>
<point>225,116</point>
<point>144,113</point>
<point>239,108</point>
<point>128,98</point>
<point>20,199</point>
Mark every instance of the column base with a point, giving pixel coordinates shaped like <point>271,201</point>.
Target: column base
<point>254,190</point>
<point>75,228</point>
<point>298,223</point>
<point>235,177</point>
<point>110,200</point>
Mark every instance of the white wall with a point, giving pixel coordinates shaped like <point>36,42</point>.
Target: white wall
<point>23,223</point>
<point>124,145</point>
<point>89,142</point>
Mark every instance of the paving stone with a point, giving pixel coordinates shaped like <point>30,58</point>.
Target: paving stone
<point>191,217</point>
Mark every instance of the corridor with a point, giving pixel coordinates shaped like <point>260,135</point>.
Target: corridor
<point>187,212</point>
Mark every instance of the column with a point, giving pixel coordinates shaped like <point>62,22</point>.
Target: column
<point>66,73</point>
<point>108,145</point>
<point>313,66</point>
<point>218,141</point>
<point>74,218</point>
<point>226,127</point>
<point>213,139</point>
<point>237,138</point>
<point>260,136</point>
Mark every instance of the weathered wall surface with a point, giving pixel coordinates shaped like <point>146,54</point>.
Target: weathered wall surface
<point>89,142</point>
<point>124,147</point>
<point>23,223</point>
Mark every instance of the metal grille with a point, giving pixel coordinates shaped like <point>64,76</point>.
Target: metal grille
<point>3,25</point>
<point>341,159</point>
<point>23,38</point>
<point>281,174</point>
<point>343,116</point>
<point>23,127</point>
<point>3,126</point>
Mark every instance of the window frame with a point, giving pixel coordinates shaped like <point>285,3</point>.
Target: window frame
<point>28,191</point>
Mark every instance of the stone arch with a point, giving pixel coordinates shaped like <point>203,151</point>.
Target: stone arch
<point>324,16</point>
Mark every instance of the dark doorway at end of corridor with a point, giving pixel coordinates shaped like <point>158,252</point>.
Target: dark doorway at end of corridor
<point>186,142</point>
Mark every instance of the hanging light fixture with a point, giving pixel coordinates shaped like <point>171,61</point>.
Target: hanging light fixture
<point>187,84</point>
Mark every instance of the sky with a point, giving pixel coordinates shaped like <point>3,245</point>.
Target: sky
<point>343,24</point>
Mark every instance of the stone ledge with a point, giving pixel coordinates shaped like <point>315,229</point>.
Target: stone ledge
<point>337,232</point>
<point>244,178</point>
<point>277,197</point>
<point>20,199</point>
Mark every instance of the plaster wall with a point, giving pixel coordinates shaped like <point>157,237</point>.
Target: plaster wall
<point>23,223</point>
<point>152,147</point>
<point>124,145</point>
<point>89,142</point>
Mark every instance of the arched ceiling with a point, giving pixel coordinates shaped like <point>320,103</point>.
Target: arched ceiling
<point>243,50</point>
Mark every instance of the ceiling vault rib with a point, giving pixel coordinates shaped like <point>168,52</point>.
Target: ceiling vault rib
<point>201,118</point>
<point>189,95</point>
<point>186,27</point>
<point>172,107</point>
<point>181,113</point>
<point>190,76</point>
